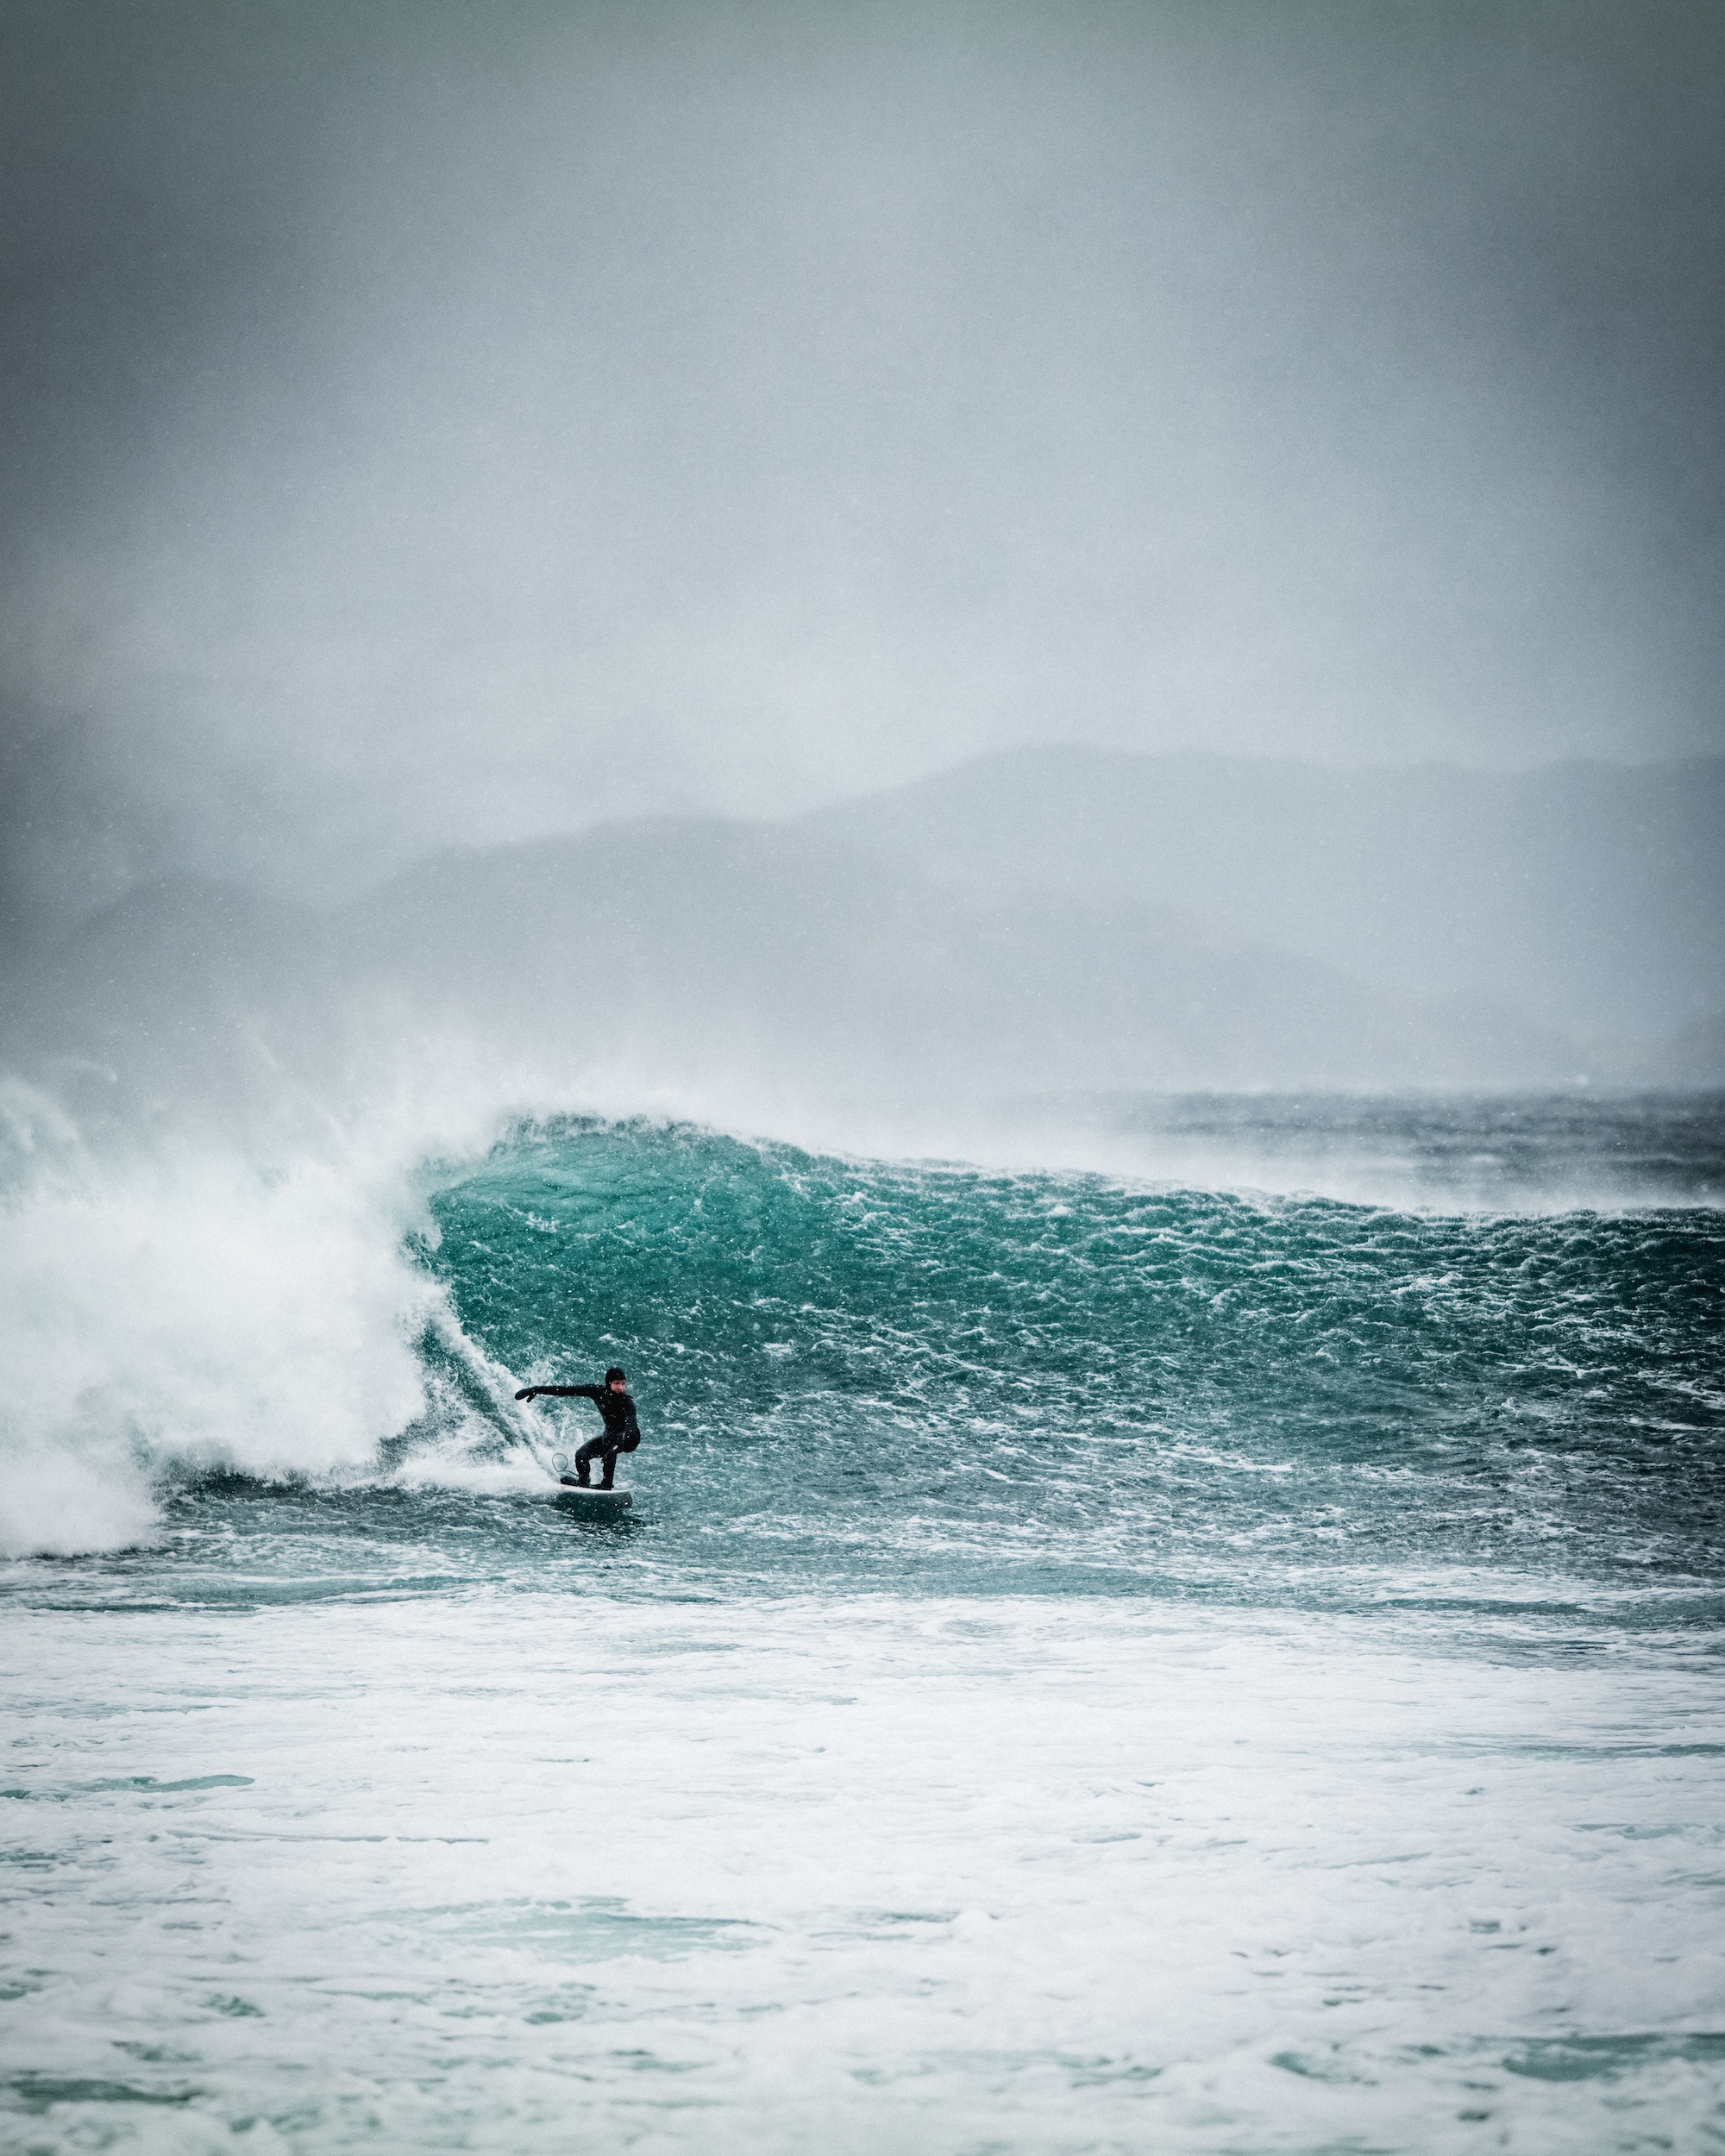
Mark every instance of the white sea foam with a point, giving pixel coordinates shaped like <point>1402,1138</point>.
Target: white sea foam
<point>182,1306</point>
<point>193,1312</point>
<point>518,1872</point>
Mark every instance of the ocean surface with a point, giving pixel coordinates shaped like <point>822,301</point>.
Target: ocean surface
<point>1214,1649</point>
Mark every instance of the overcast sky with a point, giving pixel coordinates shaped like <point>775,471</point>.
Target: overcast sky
<point>425,424</point>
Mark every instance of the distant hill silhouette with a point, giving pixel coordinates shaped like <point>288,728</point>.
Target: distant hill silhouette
<point>765,956</point>
<point>1588,897</point>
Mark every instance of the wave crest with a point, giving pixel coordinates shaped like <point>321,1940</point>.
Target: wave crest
<point>183,1312</point>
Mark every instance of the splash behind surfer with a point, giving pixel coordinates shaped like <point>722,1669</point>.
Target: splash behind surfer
<point>622,1432</point>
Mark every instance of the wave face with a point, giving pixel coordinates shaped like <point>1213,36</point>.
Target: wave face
<point>909,1377</point>
<point>943,1378</point>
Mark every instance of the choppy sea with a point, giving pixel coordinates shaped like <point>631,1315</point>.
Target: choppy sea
<point>1219,1651</point>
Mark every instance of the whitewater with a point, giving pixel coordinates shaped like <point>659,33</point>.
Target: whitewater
<point>1183,1625</point>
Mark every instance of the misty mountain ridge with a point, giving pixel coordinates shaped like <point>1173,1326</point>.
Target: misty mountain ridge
<point>1588,897</point>
<point>782,957</point>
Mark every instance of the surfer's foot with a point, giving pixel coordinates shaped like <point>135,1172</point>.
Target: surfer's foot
<point>604,1486</point>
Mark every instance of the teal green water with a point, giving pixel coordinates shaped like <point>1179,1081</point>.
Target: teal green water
<point>920,1377</point>
<point>924,1379</point>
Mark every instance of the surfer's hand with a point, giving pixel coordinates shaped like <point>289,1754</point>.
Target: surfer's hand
<point>527,1391</point>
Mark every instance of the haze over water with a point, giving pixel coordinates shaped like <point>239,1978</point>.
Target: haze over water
<point>992,742</point>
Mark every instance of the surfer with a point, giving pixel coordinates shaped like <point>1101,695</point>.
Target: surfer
<point>621,1434</point>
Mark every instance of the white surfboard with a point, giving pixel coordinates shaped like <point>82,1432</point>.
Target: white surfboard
<point>595,1498</point>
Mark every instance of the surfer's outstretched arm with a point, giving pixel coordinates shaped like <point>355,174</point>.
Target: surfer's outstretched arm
<point>562,1392</point>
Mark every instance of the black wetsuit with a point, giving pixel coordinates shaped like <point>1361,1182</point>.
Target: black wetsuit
<point>622,1432</point>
